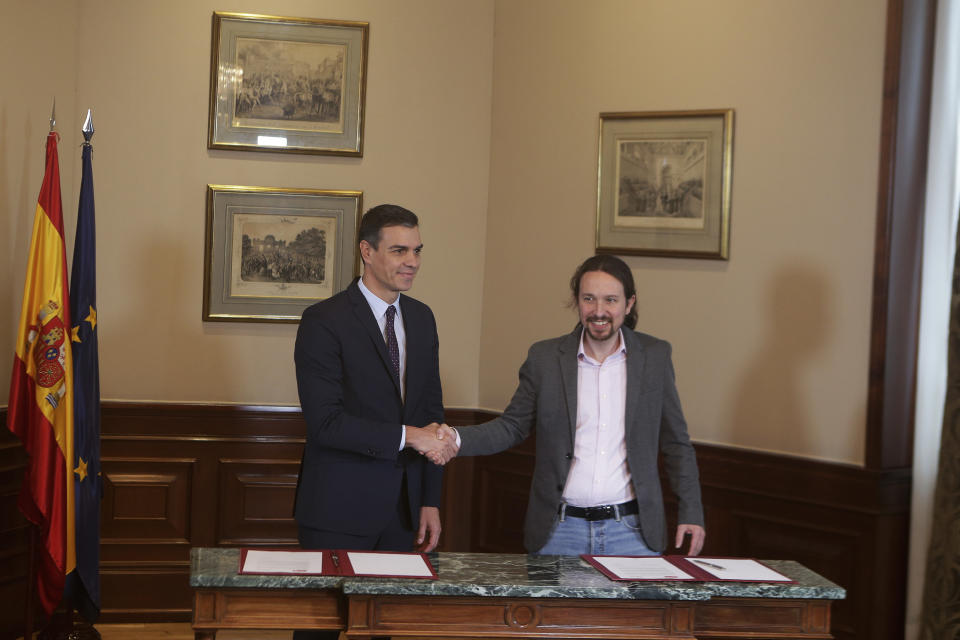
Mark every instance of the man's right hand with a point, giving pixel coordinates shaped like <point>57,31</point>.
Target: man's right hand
<point>437,442</point>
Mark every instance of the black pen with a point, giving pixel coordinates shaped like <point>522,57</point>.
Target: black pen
<point>710,564</point>
<point>336,560</point>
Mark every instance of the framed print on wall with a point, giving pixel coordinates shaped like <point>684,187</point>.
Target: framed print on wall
<point>287,84</point>
<point>664,183</point>
<point>271,253</point>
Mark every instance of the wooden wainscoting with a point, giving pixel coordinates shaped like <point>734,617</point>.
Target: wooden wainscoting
<point>14,534</point>
<point>844,522</point>
<point>177,476</point>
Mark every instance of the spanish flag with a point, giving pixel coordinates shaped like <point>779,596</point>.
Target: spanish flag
<point>41,408</point>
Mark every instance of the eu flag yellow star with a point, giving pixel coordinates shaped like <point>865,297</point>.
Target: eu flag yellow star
<point>75,334</point>
<point>92,318</point>
<point>81,470</point>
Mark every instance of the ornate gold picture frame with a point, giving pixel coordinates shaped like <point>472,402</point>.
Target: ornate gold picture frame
<point>664,183</point>
<point>270,253</point>
<point>287,84</point>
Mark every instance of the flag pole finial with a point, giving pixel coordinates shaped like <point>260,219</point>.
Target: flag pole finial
<point>87,128</point>
<point>53,115</point>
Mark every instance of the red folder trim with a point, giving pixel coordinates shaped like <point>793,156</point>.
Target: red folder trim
<point>329,568</point>
<point>698,573</point>
<point>704,573</point>
<point>345,561</point>
<point>610,574</point>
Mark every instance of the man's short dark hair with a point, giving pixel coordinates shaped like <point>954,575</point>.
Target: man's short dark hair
<point>615,267</point>
<point>384,215</point>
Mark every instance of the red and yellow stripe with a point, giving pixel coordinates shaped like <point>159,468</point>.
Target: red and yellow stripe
<point>40,410</point>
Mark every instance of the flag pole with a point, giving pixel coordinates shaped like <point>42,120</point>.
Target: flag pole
<point>87,128</point>
<point>63,624</point>
<point>83,587</point>
<point>33,529</point>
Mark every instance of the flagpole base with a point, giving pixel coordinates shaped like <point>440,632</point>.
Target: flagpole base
<point>63,627</point>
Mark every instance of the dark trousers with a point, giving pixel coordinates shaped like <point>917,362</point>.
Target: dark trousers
<point>398,535</point>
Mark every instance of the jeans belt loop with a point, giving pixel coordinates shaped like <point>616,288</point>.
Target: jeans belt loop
<point>616,512</point>
<point>563,511</point>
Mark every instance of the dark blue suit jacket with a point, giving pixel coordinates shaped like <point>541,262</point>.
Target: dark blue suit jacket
<point>352,469</point>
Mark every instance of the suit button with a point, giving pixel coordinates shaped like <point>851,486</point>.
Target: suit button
<point>569,456</point>
<point>559,487</point>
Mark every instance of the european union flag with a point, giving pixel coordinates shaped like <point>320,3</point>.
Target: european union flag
<point>83,584</point>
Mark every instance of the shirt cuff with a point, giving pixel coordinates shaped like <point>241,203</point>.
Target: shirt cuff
<point>403,437</point>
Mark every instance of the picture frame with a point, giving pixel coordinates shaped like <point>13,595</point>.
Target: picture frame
<point>272,252</point>
<point>280,84</point>
<point>664,183</point>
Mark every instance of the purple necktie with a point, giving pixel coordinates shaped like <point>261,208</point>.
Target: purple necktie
<point>392,347</point>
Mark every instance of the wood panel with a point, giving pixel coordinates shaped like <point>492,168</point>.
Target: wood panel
<point>898,243</point>
<point>848,523</point>
<point>844,522</point>
<point>852,521</point>
<point>178,476</point>
<point>501,489</point>
<point>146,499</point>
<point>256,501</point>
<point>309,608</point>
<point>14,535</point>
<point>741,617</point>
<point>451,616</point>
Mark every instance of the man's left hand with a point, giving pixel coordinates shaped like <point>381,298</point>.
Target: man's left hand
<point>697,534</point>
<point>429,533</point>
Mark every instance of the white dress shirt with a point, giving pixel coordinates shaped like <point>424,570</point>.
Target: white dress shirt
<point>599,473</point>
<point>379,308</point>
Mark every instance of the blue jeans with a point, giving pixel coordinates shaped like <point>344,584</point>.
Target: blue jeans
<point>573,536</point>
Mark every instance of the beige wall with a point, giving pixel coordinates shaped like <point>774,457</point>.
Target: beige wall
<point>771,348</point>
<point>39,64</point>
<point>143,68</point>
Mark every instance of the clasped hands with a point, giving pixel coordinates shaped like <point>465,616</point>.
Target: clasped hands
<point>438,442</point>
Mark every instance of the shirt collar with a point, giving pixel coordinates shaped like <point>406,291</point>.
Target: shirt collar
<point>581,354</point>
<point>377,304</point>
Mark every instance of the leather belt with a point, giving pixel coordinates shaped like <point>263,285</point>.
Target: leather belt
<point>602,512</point>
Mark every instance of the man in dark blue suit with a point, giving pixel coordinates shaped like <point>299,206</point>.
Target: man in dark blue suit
<point>369,383</point>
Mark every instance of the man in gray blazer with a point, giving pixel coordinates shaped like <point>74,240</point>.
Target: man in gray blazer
<point>604,403</point>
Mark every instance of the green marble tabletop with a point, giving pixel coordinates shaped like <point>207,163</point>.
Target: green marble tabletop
<point>515,576</point>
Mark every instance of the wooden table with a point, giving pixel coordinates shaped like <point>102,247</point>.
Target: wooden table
<point>508,596</point>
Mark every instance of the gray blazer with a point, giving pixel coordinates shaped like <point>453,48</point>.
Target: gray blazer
<point>546,398</point>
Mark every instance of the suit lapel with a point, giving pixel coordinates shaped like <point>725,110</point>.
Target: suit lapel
<point>414,342</point>
<point>364,315</point>
<point>635,361</point>
<point>569,347</point>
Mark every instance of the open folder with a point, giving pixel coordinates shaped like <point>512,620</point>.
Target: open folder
<point>336,562</point>
<point>696,569</point>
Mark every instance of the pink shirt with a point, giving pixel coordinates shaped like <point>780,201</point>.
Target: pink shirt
<point>599,473</point>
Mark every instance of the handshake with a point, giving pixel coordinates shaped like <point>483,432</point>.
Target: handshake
<point>436,441</point>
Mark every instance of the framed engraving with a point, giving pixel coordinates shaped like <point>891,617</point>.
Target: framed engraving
<point>665,183</point>
<point>271,253</point>
<point>287,84</point>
